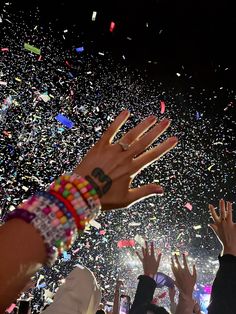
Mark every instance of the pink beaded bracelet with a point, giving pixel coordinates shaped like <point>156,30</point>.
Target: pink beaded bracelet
<point>57,214</point>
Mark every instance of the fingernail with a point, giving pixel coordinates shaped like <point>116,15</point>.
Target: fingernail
<point>152,118</point>
<point>173,139</point>
<point>165,121</point>
<point>125,112</point>
<point>159,190</point>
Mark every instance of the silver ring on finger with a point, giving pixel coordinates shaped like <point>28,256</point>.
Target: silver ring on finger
<point>124,146</point>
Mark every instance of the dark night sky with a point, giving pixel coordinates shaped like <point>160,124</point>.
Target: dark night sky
<point>195,35</point>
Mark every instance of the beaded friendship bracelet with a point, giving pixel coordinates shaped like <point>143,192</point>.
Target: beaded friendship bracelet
<point>67,206</point>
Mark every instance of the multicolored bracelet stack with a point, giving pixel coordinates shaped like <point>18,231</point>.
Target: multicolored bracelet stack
<point>67,206</point>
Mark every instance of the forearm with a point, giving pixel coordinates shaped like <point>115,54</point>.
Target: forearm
<point>185,305</point>
<point>22,253</point>
<point>144,293</point>
<point>116,303</point>
<point>41,226</point>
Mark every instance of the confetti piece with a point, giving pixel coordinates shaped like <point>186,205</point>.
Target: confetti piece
<point>102,232</point>
<point>18,79</point>
<point>79,49</point>
<point>209,168</point>
<point>163,107</point>
<point>188,206</point>
<point>11,208</point>
<point>112,26</point>
<point>32,49</point>
<point>125,243</point>
<point>134,224</point>
<point>6,133</point>
<point>179,235</point>
<point>67,63</point>
<point>65,121</point>
<point>176,253</point>
<point>162,295</point>
<point>197,227</point>
<point>95,224</point>
<point>139,240</point>
<point>11,308</point>
<point>3,83</point>
<point>42,285</point>
<point>4,49</point>
<point>94,15</point>
<point>66,256</point>
<point>76,251</point>
<point>198,115</point>
<point>101,53</point>
<point>178,74</point>
<point>45,97</point>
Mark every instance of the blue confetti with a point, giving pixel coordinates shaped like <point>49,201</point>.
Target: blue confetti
<point>80,49</point>
<point>65,121</point>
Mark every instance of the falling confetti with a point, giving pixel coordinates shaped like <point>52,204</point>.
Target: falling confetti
<point>32,49</point>
<point>65,121</point>
<point>94,15</point>
<point>188,206</point>
<point>112,27</point>
<point>163,107</point>
<point>89,90</point>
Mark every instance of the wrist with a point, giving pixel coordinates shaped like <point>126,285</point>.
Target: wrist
<point>185,296</point>
<point>227,250</point>
<point>149,275</point>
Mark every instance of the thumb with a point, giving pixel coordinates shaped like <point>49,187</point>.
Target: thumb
<point>213,227</point>
<point>144,191</point>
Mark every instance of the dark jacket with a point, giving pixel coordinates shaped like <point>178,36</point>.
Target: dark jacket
<point>144,296</point>
<point>223,295</point>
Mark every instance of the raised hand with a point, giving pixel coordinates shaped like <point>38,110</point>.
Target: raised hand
<point>111,167</point>
<point>150,260</point>
<point>184,280</point>
<point>172,293</point>
<point>224,227</point>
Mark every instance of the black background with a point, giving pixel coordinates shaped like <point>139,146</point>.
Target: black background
<point>194,38</point>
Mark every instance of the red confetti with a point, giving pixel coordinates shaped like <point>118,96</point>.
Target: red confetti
<point>11,308</point>
<point>163,107</point>
<point>6,133</point>
<point>102,232</point>
<point>67,63</point>
<point>125,243</point>
<point>4,49</point>
<point>163,295</point>
<point>188,206</point>
<point>112,26</point>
